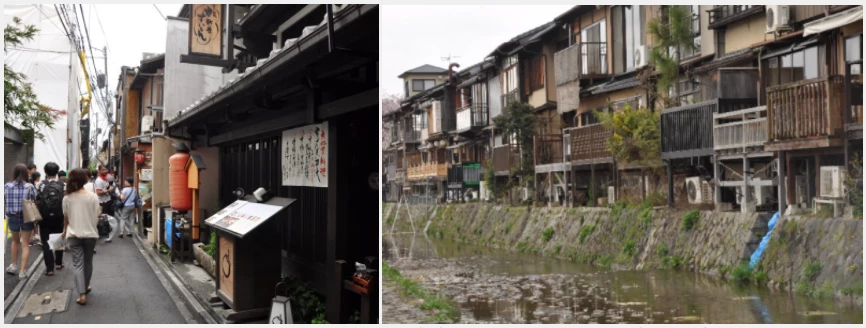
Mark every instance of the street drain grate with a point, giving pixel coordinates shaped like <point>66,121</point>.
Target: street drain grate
<point>39,304</point>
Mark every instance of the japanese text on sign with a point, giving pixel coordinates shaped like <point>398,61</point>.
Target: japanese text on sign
<point>305,156</point>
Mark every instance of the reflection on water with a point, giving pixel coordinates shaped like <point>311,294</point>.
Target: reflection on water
<point>495,286</point>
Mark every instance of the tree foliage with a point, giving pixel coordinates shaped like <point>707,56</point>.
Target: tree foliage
<point>23,111</point>
<point>519,122</point>
<point>636,137</point>
<point>671,32</point>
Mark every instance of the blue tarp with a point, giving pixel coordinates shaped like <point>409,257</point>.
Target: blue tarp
<point>756,256</point>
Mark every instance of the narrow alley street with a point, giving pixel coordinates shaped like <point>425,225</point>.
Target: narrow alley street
<point>126,289</point>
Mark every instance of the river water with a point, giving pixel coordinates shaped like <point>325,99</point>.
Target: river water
<point>496,286</point>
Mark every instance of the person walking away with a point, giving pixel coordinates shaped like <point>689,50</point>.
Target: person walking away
<point>81,213</point>
<point>62,176</point>
<point>104,190</point>
<point>35,179</point>
<point>89,187</point>
<point>14,194</point>
<point>49,194</point>
<point>127,214</point>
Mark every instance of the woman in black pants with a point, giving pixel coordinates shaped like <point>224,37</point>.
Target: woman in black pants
<point>49,193</point>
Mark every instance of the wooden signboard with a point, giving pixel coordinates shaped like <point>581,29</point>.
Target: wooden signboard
<point>249,255</point>
<point>227,267</point>
<point>206,30</point>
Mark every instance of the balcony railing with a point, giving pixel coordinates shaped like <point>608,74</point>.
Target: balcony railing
<point>410,134</point>
<point>507,98</point>
<point>740,129</point>
<point>589,143</point>
<point>687,130</point>
<point>724,15</point>
<point>804,109</point>
<point>466,173</point>
<point>505,157</point>
<point>472,116</point>
<point>422,171</point>
<point>548,149</point>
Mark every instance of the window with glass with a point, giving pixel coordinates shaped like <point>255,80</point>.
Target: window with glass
<point>593,52</point>
<point>803,64</point>
<point>589,118</point>
<point>509,74</point>
<point>689,91</point>
<point>854,52</point>
<point>533,74</point>
<point>421,85</point>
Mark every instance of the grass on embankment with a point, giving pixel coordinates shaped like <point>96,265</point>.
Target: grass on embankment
<point>447,311</point>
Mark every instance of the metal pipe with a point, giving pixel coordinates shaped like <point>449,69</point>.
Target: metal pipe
<point>330,9</point>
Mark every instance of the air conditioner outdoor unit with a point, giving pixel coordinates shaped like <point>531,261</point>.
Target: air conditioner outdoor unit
<point>801,186</point>
<point>640,56</point>
<point>832,179</point>
<point>146,123</point>
<point>778,17</point>
<point>695,190</point>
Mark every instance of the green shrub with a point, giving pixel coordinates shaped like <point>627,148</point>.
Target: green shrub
<point>210,248</point>
<point>760,278</point>
<point>724,269</point>
<point>690,219</point>
<point>605,260</point>
<point>547,234</point>
<point>803,287</point>
<point>586,231</point>
<point>812,270</point>
<point>507,228</point>
<point>616,209</point>
<point>646,215</point>
<point>662,250</point>
<point>522,246</point>
<point>655,199</point>
<point>630,248</point>
<point>742,274</point>
<point>557,249</point>
<point>852,290</point>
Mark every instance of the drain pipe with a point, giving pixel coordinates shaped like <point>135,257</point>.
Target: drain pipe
<point>756,256</point>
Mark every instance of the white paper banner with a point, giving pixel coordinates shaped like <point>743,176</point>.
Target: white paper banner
<point>305,156</point>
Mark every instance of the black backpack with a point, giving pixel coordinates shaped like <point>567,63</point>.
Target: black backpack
<point>51,201</point>
<point>103,228</point>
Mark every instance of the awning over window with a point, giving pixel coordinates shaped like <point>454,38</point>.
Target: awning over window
<point>833,21</point>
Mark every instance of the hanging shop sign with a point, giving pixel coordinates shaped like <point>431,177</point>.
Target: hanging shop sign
<point>146,175</point>
<point>305,156</point>
<point>206,30</point>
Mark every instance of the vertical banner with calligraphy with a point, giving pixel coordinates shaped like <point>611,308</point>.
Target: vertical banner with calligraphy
<point>206,30</point>
<point>305,156</point>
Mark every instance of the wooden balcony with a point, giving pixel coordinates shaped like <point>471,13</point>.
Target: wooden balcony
<point>589,144</point>
<point>584,60</point>
<point>723,15</point>
<point>471,117</point>
<point>805,114</point>
<point>548,149</point>
<point>421,172</point>
<point>504,158</point>
<point>740,131</point>
<point>687,131</point>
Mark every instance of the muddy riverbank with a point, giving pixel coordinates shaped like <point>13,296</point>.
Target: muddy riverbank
<point>500,286</point>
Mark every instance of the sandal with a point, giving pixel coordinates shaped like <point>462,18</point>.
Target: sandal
<point>80,302</point>
<point>58,267</point>
<point>88,290</point>
<point>49,273</point>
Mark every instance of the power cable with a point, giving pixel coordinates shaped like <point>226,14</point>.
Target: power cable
<point>160,12</point>
<point>39,7</point>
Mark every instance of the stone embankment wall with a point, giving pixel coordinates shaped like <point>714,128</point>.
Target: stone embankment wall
<point>627,239</point>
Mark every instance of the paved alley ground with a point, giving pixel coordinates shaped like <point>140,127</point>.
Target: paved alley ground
<point>9,280</point>
<point>126,290</point>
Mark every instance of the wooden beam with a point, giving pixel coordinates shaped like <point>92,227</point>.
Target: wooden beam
<point>284,122</point>
<point>366,99</point>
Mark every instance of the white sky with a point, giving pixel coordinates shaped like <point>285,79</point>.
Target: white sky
<point>412,36</point>
<point>129,31</point>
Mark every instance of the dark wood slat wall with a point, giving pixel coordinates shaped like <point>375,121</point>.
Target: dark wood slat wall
<point>588,142</point>
<point>688,127</point>
<point>255,164</point>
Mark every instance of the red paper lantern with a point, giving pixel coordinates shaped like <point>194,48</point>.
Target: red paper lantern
<point>139,158</point>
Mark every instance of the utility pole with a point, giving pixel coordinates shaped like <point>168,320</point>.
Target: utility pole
<point>108,110</point>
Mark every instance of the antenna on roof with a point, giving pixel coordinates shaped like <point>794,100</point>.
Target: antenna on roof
<point>450,58</point>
